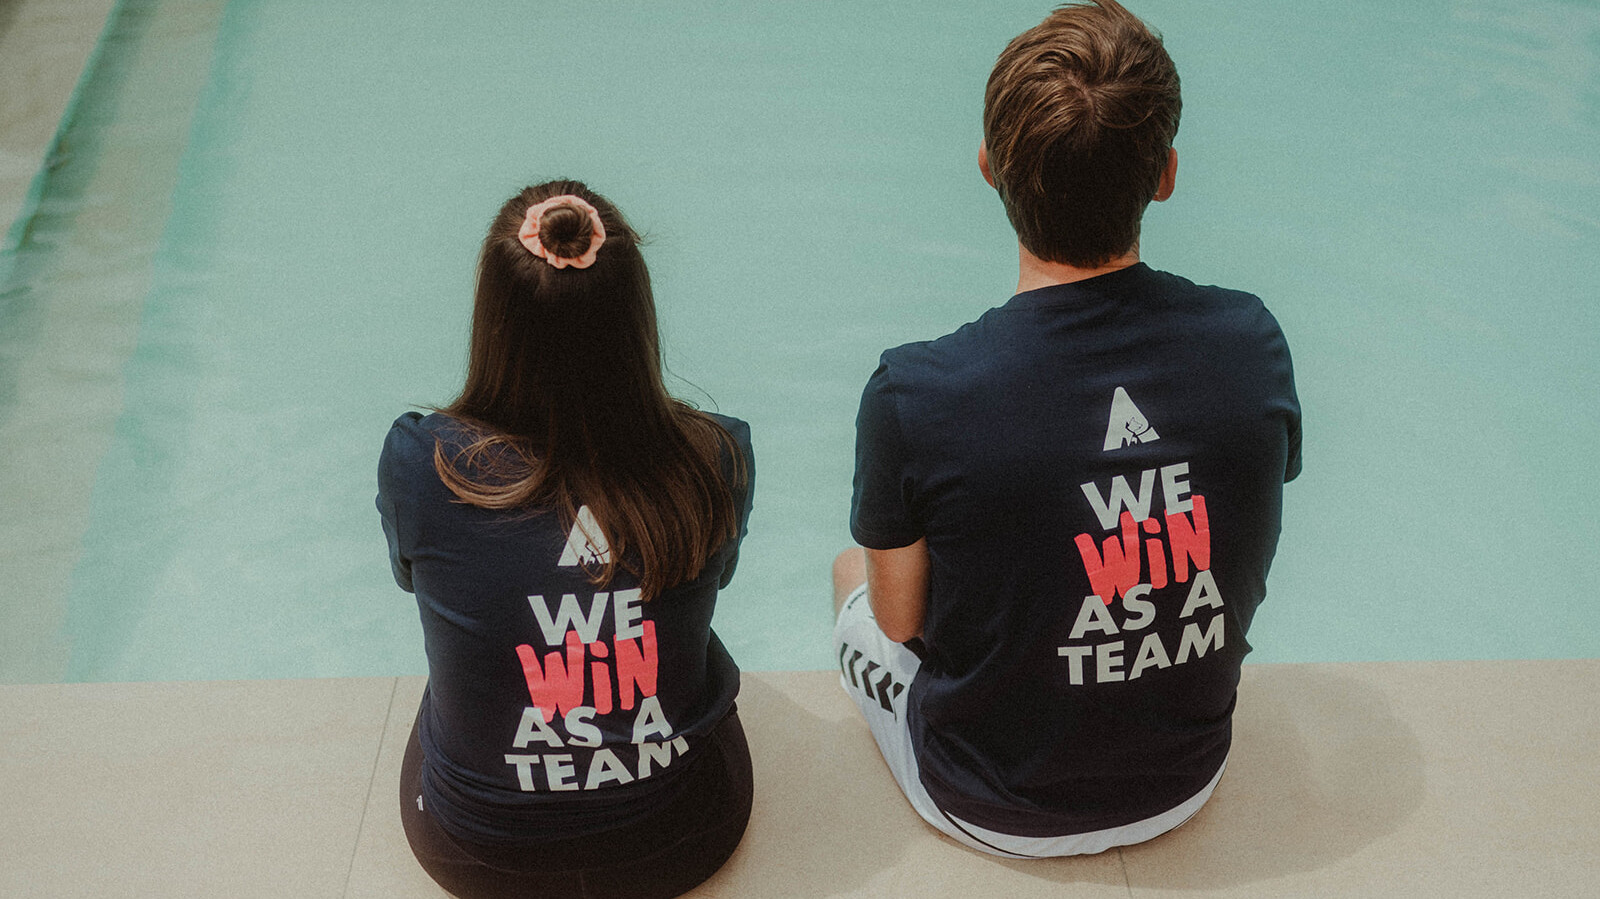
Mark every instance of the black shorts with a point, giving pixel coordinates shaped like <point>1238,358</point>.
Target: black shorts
<point>666,854</point>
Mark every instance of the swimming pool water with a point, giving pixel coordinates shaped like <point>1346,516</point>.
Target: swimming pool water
<point>1412,188</point>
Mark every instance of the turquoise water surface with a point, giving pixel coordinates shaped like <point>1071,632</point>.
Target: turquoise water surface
<point>1412,188</point>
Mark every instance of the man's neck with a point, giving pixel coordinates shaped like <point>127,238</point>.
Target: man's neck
<point>1035,273</point>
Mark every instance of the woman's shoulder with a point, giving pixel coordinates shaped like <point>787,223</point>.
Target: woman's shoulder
<point>425,428</point>
<point>412,439</point>
<point>737,428</point>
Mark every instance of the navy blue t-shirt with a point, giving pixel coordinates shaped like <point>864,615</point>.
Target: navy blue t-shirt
<point>1098,470</point>
<point>553,708</point>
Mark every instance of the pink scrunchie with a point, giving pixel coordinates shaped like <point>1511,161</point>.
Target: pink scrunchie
<point>529,232</point>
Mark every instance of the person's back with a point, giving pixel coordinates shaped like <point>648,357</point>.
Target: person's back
<point>566,525</point>
<point>1073,501</point>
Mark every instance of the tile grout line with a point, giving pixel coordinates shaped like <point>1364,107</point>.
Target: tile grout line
<point>1123,861</point>
<point>372,780</point>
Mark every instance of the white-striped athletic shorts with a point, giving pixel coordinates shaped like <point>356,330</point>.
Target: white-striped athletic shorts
<point>877,673</point>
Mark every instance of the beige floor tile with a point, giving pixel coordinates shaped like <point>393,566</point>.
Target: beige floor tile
<point>1414,779</point>
<point>238,789</point>
<point>830,822</point>
<point>383,865</point>
<point>1411,779</point>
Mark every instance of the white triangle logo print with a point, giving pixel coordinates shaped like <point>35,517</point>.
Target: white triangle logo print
<point>586,544</point>
<point>1128,425</point>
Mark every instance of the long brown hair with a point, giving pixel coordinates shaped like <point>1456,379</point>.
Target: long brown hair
<point>565,402</point>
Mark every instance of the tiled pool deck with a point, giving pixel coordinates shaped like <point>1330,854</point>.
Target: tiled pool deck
<point>1414,779</point>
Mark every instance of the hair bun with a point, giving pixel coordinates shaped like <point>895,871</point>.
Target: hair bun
<point>565,230</point>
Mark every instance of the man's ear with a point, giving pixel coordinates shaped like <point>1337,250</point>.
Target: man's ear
<point>983,163</point>
<point>1169,176</point>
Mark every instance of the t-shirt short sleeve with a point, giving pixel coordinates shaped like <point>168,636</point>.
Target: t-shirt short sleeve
<point>1293,466</point>
<point>742,475</point>
<point>881,513</point>
<point>1280,368</point>
<point>402,450</point>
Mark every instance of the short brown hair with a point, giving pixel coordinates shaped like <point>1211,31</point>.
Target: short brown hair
<point>1078,117</point>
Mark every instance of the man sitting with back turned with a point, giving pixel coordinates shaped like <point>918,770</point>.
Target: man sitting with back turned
<point>1070,505</point>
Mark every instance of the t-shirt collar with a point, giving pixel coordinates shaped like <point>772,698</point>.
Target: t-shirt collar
<point>1097,286</point>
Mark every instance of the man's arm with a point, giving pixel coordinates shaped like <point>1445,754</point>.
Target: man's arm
<point>897,586</point>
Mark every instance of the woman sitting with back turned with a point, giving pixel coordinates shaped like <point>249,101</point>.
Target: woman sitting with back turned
<point>566,525</point>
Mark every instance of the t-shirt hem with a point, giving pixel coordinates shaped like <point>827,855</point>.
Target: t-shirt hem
<point>1038,824</point>
<point>1088,842</point>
